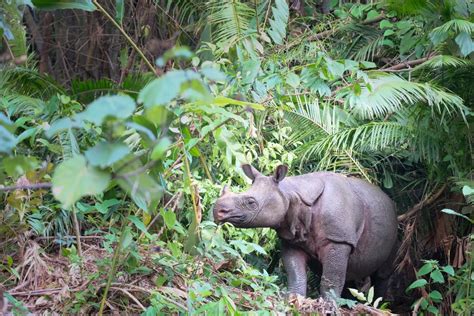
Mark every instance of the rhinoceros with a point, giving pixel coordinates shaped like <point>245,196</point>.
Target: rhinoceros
<point>344,226</point>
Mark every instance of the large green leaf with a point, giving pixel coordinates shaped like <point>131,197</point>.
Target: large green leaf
<point>465,43</point>
<point>106,154</point>
<point>85,5</point>
<point>417,284</point>
<point>163,90</point>
<point>117,106</point>
<point>74,179</point>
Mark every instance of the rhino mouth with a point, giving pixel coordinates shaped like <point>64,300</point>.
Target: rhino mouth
<point>234,219</point>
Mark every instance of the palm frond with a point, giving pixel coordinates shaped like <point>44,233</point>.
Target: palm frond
<point>21,105</point>
<point>230,20</point>
<point>365,42</point>
<point>86,91</point>
<point>442,61</point>
<point>316,129</point>
<point>383,94</point>
<point>28,81</point>
<point>455,25</point>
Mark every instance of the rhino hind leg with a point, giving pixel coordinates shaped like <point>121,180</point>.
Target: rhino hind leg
<point>380,279</point>
<point>334,258</point>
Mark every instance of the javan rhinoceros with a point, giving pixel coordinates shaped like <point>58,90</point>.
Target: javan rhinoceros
<point>345,226</point>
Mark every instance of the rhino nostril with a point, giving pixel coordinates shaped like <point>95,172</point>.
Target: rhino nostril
<point>223,211</point>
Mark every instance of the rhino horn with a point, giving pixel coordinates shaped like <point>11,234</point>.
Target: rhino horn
<point>225,190</point>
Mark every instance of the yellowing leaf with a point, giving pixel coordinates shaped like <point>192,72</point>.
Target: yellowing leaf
<point>223,101</point>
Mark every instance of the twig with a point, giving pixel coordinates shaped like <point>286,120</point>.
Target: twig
<point>138,171</point>
<point>127,37</point>
<point>427,200</point>
<point>9,48</point>
<point>189,175</point>
<point>36,186</point>
<point>131,287</point>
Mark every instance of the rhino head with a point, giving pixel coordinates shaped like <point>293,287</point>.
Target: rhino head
<point>263,205</point>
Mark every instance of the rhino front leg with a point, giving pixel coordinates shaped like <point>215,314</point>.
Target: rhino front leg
<point>334,258</point>
<point>295,262</point>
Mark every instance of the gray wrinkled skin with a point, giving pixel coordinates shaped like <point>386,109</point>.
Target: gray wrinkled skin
<point>344,226</point>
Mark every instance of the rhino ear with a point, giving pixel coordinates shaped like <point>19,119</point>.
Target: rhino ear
<point>250,171</point>
<point>280,173</point>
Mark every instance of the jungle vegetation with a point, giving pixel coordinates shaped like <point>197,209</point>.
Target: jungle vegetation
<point>121,121</point>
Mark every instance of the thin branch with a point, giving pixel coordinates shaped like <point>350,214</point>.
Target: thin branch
<point>36,186</point>
<point>77,231</point>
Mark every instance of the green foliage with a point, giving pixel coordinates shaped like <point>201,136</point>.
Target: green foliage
<point>279,22</point>
<point>74,179</point>
<point>433,273</point>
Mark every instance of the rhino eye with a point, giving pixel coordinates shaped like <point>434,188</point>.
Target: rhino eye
<point>252,203</point>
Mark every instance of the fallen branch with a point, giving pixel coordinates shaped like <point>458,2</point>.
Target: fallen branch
<point>427,200</point>
<point>36,186</point>
<point>68,237</point>
<point>407,64</point>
